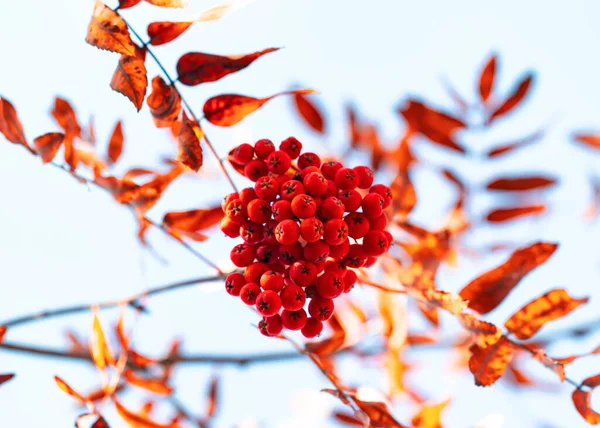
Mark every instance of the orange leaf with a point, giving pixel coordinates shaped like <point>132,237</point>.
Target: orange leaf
<point>501,215</point>
<point>83,420</point>
<point>589,140</point>
<point>194,68</point>
<point>141,360</point>
<point>486,333</point>
<point>2,333</point>
<point>429,415</point>
<point>404,194</point>
<point>168,3</point>
<point>66,388</point>
<point>190,152</point>
<point>138,420</point>
<point>583,400</point>
<point>517,95</point>
<point>213,392</point>
<point>378,413</point>
<point>152,385</point>
<point>530,318</point>
<point>115,145</point>
<point>130,77</point>
<point>10,125</point>
<point>229,109</point>
<point>108,31</point>
<point>310,113</point>
<point>66,117</point>
<point>125,4</point>
<point>193,220</point>
<point>486,80</point>
<point>348,419</point>
<point>327,346</point>
<point>550,363</point>
<point>6,377</point>
<point>519,184</point>
<point>48,144</point>
<point>488,364</point>
<point>164,102</point>
<point>164,31</point>
<point>487,291</point>
<point>505,148</point>
<point>98,346</point>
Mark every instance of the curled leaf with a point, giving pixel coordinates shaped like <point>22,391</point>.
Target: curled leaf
<point>108,31</point>
<point>514,99</point>
<point>488,364</point>
<point>486,80</point>
<point>47,145</point>
<point>130,78</point>
<point>164,102</point>
<point>309,112</point>
<point>190,152</point>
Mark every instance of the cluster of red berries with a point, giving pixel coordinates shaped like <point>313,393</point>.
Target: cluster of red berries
<point>297,223</point>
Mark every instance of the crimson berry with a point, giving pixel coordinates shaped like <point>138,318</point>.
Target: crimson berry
<point>332,189</point>
<point>291,146</point>
<point>308,159</point>
<point>372,205</point>
<point>349,280</point>
<point>311,229</point>
<point>267,254</point>
<point>282,210</point>
<point>259,211</point>
<point>262,326</point>
<point>243,154</point>
<point>230,228</point>
<point>329,169</point>
<point>294,320</point>
<point>290,189</point>
<point>375,243</point>
<point>378,223</point>
<point>311,291</point>
<point>389,237</point>
<point>255,271</point>
<point>303,273</point>
<point>351,199</point>
<point>271,280</point>
<point>277,267</point>
<point>356,256</point>
<point>263,148</point>
<point>335,232</point>
<point>320,308</point>
<point>358,225</point>
<point>279,162</point>
<point>249,292</point>
<point>287,232</point>
<point>236,211</point>
<point>242,255</point>
<point>266,188</point>
<point>289,254</point>
<point>339,251</point>
<point>330,285</point>
<point>335,266</point>
<point>320,265</point>
<point>292,297</point>
<point>304,206</point>
<point>230,197</point>
<point>251,233</point>
<point>385,192</point>
<point>255,169</point>
<point>371,260</point>
<point>234,283</point>
<point>332,207</point>
<point>304,172</point>
<point>346,179</point>
<point>269,232</point>
<point>268,303</point>
<point>316,252</point>
<point>274,325</point>
<point>365,176</point>
<point>315,184</point>
<point>312,328</point>
<point>247,195</point>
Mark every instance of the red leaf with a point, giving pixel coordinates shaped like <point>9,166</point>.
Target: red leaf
<point>505,214</point>
<point>66,117</point>
<point>164,103</point>
<point>66,388</point>
<point>589,140</point>
<point>229,109</point>
<point>505,148</point>
<point>488,364</point>
<point>10,125</point>
<point>190,152</point>
<point>519,184</point>
<point>125,4</point>
<point>487,291</point>
<point>108,31</point>
<point>130,78</point>
<point>583,400</point>
<point>193,220</point>
<point>194,68</point>
<point>165,31</point>
<point>310,113</point>
<point>6,377</point>
<point>138,420</point>
<point>153,385</point>
<point>517,95</point>
<point>486,80</point>
<point>48,144</point>
<point>115,145</point>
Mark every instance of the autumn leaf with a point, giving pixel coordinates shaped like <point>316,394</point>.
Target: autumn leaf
<point>194,68</point>
<point>485,333</point>
<point>582,398</point>
<point>348,419</point>
<point>520,184</point>
<point>213,392</point>
<point>551,363</point>
<point>504,148</point>
<point>378,413</point>
<point>515,98</point>
<point>83,421</point>
<point>310,113</point>
<point>152,385</point>
<point>65,116</point>
<point>130,78</point>
<point>168,3</point>
<point>229,109</point>
<point>429,415</point>
<point>590,140</point>
<point>10,125</point>
<point>166,31</point>
<point>486,80</point>
<point>138,420</point>
<point>164,102</point>
<point>108,31</point>
<point>404,195</point>
<point>487,291</point>
<point>488,364</point>
<point>47,145</point>
<point>501,215</point>
<point>125,4</point>
<point>115,144</point>
<point>530,318</point>
<point>190,152</point>
<point>6,377</point>
<point>2,333</point>
<point>66,388</point>
<point>99,347</point>
<point>193,221</point>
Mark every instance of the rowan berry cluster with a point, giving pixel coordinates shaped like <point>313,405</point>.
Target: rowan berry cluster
<point>297,223</point>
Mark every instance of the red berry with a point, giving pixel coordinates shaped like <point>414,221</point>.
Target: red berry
<point>320,308</point>
<point>271,280</point>
<point>277,267</point>
<point>304,206</point>
<point>336,231</point>
<point>315,184</point>
<point>249,292</point>
<point>268,303</point>
<point>255,169</point>
<point>329,169</point>
<point>304,172</point>
<point>269,232</point>
<point>230,197</point>
<point>375,243</point>
<point>303,273</point>
<point>236,211</point>
<point>311,229</point>
<point>371,260</point>
<point>289,254</point>
<point>308,159</point>
<point>335,266</point>
<point>339,251</point>
<point>332,207</point>
<point>287,232</point>
<point>311,291</point>
<point>294,320</point>
<point>234,283</point>
<point>243,154</point>
<point>351,199</point>
<point>389,237</point>
<point>266,188</point>
<point>282,210</point>
<point>259,211</point>
<point>385,192</point>
<point>291,146</point>
<point>247,195</point>
<point>349,280</point>
<point>291,189</point>
<point>255,271</point>
<point>267,254</point>
<point>332,189</point>
<point>316,252</point>
<point>292,297</point>
<point>356,256</point>
<point>279,162</point>
<point>358,225</point>
<point>378,223</point>
<point>320,266</point>
<point>230,228</point>
<point>372,205</point>
<point>365,176</point>
<point>251,233</point>
<point>312,328</point>
<point>346,179</point>
<point>242,255</point>
<point>274,325</point>
<point>330,285</point>
<point>262,326</point>
<point>263,148</point>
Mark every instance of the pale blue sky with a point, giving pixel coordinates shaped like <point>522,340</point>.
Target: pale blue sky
<point>61,243</point>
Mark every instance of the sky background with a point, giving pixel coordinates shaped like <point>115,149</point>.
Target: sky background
<point>62,243</point>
